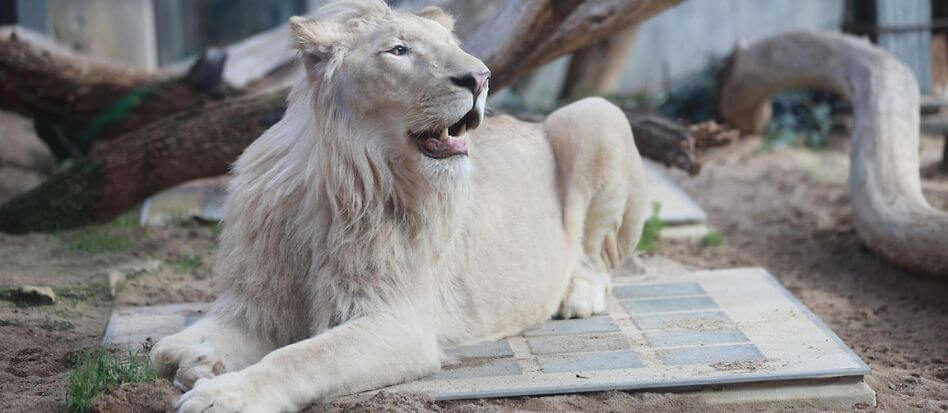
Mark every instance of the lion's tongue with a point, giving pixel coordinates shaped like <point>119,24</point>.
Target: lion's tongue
<point>443,148</point>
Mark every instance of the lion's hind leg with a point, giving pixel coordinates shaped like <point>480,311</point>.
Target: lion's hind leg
<point>604,196</point>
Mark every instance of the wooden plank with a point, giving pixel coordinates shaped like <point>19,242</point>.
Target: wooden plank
<point>911,46</point>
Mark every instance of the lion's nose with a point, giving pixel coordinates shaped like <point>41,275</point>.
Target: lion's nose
<point>474,81</point>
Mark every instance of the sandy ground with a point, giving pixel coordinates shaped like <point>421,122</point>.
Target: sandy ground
<point>786,210</point>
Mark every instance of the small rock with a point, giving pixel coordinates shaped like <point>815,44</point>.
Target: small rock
<point>30,295</point>
<point>116,279</point>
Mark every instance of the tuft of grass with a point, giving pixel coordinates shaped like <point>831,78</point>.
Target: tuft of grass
<point>94,241</point>
<point>188,264</point>
<point>648,242</point>
<point>98,371</point>
<point>128,219</point>
<point>712,239</point>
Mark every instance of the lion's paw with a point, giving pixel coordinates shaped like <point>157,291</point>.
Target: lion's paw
<point>229,392</point>
<point>186,363</point>
<point>583,299</point>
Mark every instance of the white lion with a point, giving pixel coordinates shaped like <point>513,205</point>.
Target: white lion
<point>374,224</point>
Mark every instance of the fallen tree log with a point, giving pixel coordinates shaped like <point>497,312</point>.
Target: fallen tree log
<point>138,164</point>
<point>75,102</point>
<point>890,213</point>
<point>118,176</point>
<point>665,141</point>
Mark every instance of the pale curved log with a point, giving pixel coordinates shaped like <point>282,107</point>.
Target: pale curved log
<point>889,212</point>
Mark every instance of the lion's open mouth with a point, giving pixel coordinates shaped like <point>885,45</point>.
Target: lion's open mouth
<point>447,142</point>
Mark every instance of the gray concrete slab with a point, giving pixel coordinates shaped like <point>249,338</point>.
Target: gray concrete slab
<point>477,368</point>
<point>710,355</point>
<point>578,343</point>
<point>657,291</point>
<point>136,326</point>
<point>598,324</point>
<point>694,321</point>
<point>663,305</point>
<point>579,362</point>
<point>488,349</point>
<point>676,338</point>
<point>677,207</point>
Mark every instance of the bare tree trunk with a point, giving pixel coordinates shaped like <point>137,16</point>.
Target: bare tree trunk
<point>889,212</point>
<point>596,70</point>
<point>525,35</point>
<point>203,141</point>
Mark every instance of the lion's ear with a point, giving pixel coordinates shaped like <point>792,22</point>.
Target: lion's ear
<point>435,13</point>
<point>315,38</point>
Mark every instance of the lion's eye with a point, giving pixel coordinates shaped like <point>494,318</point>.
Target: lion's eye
<point>398,50</point>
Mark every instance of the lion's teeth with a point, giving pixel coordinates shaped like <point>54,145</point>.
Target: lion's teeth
<point>444,134</point>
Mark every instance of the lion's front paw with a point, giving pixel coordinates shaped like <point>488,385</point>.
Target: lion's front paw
<point>229,392</point>
<point>186,363</point>
<point>583,299</point>
<point>224,393</point>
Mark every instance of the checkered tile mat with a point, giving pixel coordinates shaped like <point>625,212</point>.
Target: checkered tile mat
<point>704,328</point>
<point>713,327</point>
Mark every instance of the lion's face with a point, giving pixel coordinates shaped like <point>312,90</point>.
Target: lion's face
<point>403,76</point>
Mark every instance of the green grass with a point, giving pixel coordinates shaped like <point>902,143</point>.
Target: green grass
<point>128,219</point>
<point>94,241</point>
<point>648,242</point>
<point>188,264</point>
<point>98,371</point>
<point>713,239</point>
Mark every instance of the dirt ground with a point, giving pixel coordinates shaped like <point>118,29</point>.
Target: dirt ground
<point>786,210</point>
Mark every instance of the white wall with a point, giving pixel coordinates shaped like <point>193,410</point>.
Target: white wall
<point>110,29</point>
<point>681,40</point>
